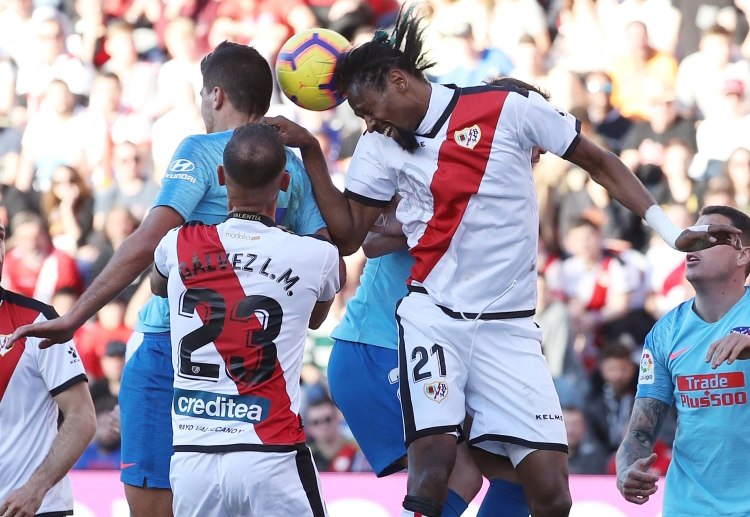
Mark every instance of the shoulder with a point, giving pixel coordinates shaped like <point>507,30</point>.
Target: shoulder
<point>667,324</point>
<point>316,241</point>
<point>34,307</point>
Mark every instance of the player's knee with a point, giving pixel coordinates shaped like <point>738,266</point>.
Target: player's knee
<point>465,480</point>
<point>553,501</point>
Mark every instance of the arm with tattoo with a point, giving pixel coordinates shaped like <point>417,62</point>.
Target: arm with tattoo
<point>635,457</point>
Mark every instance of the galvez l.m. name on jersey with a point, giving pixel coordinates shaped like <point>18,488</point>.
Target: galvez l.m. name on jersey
<point>247,262</point>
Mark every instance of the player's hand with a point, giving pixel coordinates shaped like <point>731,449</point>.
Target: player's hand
<point>637,484</point>
<point>23,502</point>
<point>695,238</point>
<point>58,330</point>
<point>729,348</point>
<point>292,134</point>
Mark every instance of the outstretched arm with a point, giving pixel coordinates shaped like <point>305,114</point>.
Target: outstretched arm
<point>635,456</point>
<point>129,261</point>
<point>610,172</point>
<point>72,438</point>
<point>348,221</point>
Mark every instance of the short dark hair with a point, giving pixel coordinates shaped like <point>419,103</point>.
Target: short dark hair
<point>739,219</point>
<point>254,155</point>
<point>369,63</point>
<point>242,73</point>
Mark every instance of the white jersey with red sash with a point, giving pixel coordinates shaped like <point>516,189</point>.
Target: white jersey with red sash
<point>241,294</point>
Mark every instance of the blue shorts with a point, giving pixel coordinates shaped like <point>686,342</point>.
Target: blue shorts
<point>146,413</point>
<point>363,380</point>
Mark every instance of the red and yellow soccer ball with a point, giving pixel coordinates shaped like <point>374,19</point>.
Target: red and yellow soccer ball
<point>304,68</point>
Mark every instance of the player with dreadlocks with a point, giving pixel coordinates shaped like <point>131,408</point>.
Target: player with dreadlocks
<point>461,160</point>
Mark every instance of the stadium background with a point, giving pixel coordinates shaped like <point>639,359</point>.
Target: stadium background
<point>96,94</point>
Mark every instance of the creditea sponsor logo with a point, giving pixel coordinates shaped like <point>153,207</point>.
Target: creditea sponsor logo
<point>218,406</point>
<point>714,389</point>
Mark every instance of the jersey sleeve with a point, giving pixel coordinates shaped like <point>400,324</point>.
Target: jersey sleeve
<point>368,181</point>
<point>187,178</point>
<point>330,283</point>
<point>161,253</point>
<point>305,219</point>
<point>60,365</point>
<point>550,128</point>
<point>655,379</point>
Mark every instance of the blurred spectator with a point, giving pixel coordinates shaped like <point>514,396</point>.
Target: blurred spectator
<point>104,451</point>
<point>474,65</point>
<point>737,169</point>
<point>52,138</point>
<point>666,267</point>
<point>608,122</point>
<point>638,71</point>
<point>15,28</point>
<point>132,188</point>
<point>90,27</point>
<point>726,129</point>
<point>183,119</point>
<point>702,75</point>
<point>107,123</point>
<point>332,452</point>
<point>183,65</point>
<point>12,202</point>
<point>137,77</point>
<point>48,59</point>
<point>68,209</point>
<point>565,87</point>
<point>33,266</point>
<point>594,282</point>
<point>698,16</point>
<point>610,402</point>
<point>661,18</point>
<point>106,388</point>
<point>680,187</point>
<point>643,149</point>
<point>259,23</point>
<point>580,33</point>
<point>97,337</point>
<point>118,224</point>
<point>585,454</point>
<point>510,20</point>
<point>342,16</point>
<point>10,133</point>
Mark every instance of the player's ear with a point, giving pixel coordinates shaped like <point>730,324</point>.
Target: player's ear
<point>398,79</point>
<point>744,259</point>
<point>218,98</point>
<point>220,174</point>
<point>286,178</point>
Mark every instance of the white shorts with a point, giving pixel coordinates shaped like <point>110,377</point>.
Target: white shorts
<point>246,484</point>
<point>492,370</point>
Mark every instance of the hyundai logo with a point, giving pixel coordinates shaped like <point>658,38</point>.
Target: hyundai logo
<point>181,165</point>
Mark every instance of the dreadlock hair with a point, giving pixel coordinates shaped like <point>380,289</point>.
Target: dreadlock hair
<point>369,64</point>
<point>517,84</point>
<point>254,155</point>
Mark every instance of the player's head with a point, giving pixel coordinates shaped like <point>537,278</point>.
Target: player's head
<point>721,263</point>
<point>382,79</point>
<point>235,76</point>
<point>254,162</point>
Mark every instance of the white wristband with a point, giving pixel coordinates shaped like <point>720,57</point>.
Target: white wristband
<point>658,220</point>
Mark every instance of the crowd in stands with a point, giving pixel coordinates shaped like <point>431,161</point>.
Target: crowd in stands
<point>96,94</point>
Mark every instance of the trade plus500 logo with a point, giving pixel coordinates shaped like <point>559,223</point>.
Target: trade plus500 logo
<point>215,406</point>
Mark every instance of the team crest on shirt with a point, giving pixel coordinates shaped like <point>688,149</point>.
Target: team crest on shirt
<point>468,137</point>
<point>647,368</point>
<point>436,391</point>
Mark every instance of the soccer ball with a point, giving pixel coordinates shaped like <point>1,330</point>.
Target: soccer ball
<point>304,68</point>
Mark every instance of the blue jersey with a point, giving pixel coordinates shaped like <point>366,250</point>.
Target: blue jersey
<point>710,473</point>
<point>370,316</point>
<point>191,187</point>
